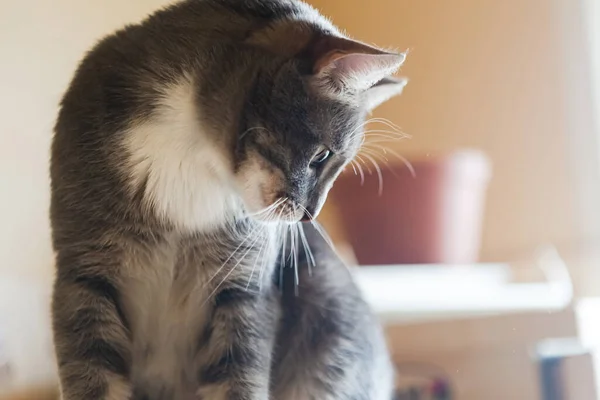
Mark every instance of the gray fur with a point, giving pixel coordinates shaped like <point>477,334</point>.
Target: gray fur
<point>184,153</point>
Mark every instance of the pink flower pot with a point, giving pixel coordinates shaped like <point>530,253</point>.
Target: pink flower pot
<point>432,217</point>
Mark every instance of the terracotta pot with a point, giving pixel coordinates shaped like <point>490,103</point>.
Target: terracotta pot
<point>434,216</point>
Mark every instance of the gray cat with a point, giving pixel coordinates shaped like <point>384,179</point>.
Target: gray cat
<point>186,151</point>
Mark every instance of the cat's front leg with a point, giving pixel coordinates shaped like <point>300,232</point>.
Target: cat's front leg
<point>91,338</point>
<point>237,345</point>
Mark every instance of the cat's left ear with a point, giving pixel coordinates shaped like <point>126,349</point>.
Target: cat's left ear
<point>346,65</point>
<point>384,90</point>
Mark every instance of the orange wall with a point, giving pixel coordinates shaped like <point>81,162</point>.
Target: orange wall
<point>489,75</point>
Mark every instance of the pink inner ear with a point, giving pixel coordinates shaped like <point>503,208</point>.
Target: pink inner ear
<point>356,64</point>
<point>330,48</point>
<point>359,69</point>
<point>328,61</point>
<point>352,64</point>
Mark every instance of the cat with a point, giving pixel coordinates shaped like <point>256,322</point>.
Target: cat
<point>191,154</point>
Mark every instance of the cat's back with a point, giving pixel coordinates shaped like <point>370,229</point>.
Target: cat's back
<point>186,31</point>
<point>123,77</point>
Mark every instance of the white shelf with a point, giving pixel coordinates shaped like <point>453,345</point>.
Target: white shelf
<point>410,294</point>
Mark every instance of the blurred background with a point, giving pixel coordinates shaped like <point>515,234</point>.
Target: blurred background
<point>483,265</point>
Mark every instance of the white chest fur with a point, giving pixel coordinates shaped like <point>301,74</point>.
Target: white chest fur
<point>165,301</point>
<point>168,293</point>
<point>179,162</point>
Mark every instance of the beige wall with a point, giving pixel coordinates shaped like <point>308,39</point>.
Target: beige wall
<point>40,44</point>
<point>491,75</point>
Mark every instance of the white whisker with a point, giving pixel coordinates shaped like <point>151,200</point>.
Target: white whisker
<point>292,258</point>
<point>269,208</point>
<point>373,152</point>
<point>319,228</point>
<point>364,164</point>
<point>307,251</point>
<point>323,234</point>
<point>404,161</point>
<point>357,130</point>
<point>373,132</point>
<point>295,259</point>
<point>259,255</point>
<point>381,158</point>
<point>395,128</point>
<point>231,270</point>
<point>360,130</point>
<point>284,243</point>
<point>361,172</point>
<point>264,263</point>
<point>258,258</point>
<point>283,258</point>
<point>390,138</point>
<point>387,122</point>
<point>379,174</point>
<point>254,230</point>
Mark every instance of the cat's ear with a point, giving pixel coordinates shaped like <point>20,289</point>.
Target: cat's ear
<point>384,90</point>
<point>345,64</point>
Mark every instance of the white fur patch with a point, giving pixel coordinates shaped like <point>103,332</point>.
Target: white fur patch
<point>166,294</point>
<point>187,175</point>
<point>166,309</point>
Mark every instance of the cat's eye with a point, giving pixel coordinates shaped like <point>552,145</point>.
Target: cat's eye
<point>320,158</point>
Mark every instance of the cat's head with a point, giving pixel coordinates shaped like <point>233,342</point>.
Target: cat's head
<point>263,129</point>
<point>303,122</point>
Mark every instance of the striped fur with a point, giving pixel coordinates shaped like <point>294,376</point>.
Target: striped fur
<point>183,150</point>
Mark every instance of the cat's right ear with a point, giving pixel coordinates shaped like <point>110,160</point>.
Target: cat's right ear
<point>345,65</point>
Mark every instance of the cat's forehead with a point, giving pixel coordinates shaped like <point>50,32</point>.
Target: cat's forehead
<point>336,126</point>
<point>347,129</point>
